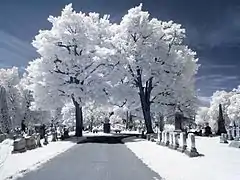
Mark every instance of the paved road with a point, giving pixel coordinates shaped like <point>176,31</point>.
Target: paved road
<point>94,161</point>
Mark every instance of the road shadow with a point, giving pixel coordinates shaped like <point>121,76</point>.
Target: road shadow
<point>114,139</point>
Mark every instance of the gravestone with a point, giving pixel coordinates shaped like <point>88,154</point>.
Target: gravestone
<point>178,121</point>
<point>45,140</point>
<point>183,142</point>
<point>237,133</point>
<point>19,145</point>
<point>221,122</point>
<point>163,138</point>
<point>223,138</point>
<point>234,132</point>
<point>152,139</point>
<point>2,137</point>
<point>30,142</point>
<point>192,152</point>
<point>38,140</point>
<point>171,145</point>
<point>176,142</point>
<point>148,137</point>
<point>159,137</point>
<point>167,139</point>
<point>106,126</point>
<point>229,134</point>
<point>54,136</point>
<point>235,144</point>
<point>207,130</point>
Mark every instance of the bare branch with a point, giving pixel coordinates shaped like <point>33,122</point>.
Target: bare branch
<point>171,44</point>
<point>124,102</point>
<point>131,71</point>
<point>145,37</point>
<point>92,71</point>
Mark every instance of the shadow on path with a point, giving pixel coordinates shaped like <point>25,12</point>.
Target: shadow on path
<point>114,139</point>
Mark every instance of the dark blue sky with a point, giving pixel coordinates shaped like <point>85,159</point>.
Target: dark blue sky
<point>213,31</point>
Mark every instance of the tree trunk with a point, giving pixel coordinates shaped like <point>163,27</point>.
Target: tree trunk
<point>79,118</point>
<point>91,124</point>
<point>144,93</point>
<point>127,121</point>
<point>148,120</point>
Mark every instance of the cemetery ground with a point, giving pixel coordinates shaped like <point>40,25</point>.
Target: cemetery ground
<point>135,159</point>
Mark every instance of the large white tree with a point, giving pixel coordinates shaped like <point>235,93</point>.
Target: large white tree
<point>202,116</point>
<point>154,61</point>
<point>233,109</point>
<point>9,80</point>
<point>72,60</point>
<point>223,98</point>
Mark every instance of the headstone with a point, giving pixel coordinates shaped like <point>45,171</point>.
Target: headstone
<point>235,144</point>
<point>159,137</point>
<point>106,126</point>
<point>54,136</point>
<point>171,145</point>
<point>30,142</point>
<point>2,137</point>
<point>142,134</point>
<point>45,140</point>
<point>19,145</point>
<point>234,132</point>
<point>237,134</point>
<point>163,138</point>
<point>229,134</point>
<point>192,152</point>
<point>152,138</point>
<point>178,121</point>
<point>148,137</point>
<point>38,142</point>
<point>207,130</point>
<point>223,138</point>
<point>183,142</point>
<point>176,142</point>
<point>167,139</point>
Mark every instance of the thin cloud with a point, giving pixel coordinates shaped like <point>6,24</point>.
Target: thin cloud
<point>15,51</point>
<point>218,66</point>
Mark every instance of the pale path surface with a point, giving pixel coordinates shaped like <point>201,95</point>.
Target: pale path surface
<point>94,161</point>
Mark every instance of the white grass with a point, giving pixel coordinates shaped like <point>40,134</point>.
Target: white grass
<point>14,165</point>
<point>219,162</point>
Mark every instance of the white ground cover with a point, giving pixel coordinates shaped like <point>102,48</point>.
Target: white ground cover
<point>15,165</point>
<point>219,161</point>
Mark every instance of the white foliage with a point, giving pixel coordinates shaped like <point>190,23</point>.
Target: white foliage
<point>223,98</point>
<point>202,116</point>
<point>9,79</point>
<point>157,49</point>
<point>87,58</point>
<point>72,59</point>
